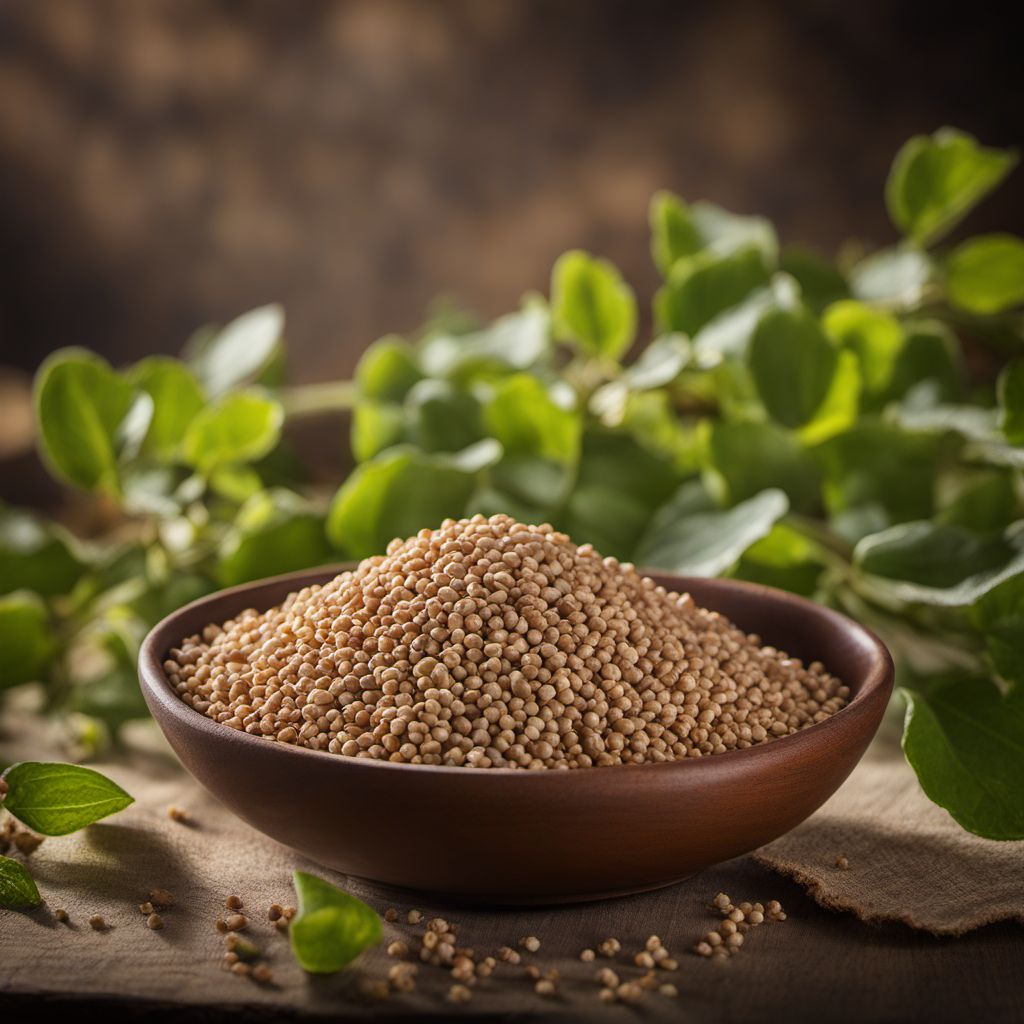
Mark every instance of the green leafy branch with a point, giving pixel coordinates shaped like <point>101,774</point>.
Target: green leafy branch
<point>805,423</point>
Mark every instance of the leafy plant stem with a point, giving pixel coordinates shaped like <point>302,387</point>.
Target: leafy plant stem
<point>318,399</point>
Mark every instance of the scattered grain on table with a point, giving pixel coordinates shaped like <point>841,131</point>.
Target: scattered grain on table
<point>27,842</point>
<point>737,921</point>
<point>459,994</point>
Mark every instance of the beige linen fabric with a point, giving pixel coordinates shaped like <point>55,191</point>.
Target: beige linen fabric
<point>907,863</point>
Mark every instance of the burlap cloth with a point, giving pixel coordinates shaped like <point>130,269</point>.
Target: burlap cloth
<point>908,860</point>
<point>908,863</point>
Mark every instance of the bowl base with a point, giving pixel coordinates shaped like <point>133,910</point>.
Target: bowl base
<point>500,901</point>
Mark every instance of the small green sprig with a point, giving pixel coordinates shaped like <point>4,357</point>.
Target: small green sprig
<point>797,421</point>
<point>331,928</point>
<point>54,800</point>
<point>17,889</point>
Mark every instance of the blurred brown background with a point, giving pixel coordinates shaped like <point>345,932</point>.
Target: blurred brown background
<point>168,162</point>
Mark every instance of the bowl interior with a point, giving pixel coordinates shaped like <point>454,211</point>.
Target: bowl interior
<point>793,624</point>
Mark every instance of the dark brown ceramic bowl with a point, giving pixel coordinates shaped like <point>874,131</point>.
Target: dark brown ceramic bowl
<point>503,836</point>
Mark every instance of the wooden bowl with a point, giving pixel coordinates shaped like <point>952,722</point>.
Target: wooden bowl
<point>504,836</point>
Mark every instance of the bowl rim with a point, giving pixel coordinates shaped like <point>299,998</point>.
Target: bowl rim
<point>871,696</point>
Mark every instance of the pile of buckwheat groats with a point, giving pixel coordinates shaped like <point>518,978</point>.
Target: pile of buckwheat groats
<point>487,643</point>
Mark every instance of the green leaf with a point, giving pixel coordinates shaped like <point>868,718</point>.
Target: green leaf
<point>893,358</point>
<point>986,274</point>
<point>531,419</point>
<point>16,886</point>
<point>134,427</point>
<point>995,454</point>
<point>706,542</point>
<point>387,370</point>
<point>55,799</point>
<point>700,288</point>
<point>821,283</point>
<point>165,596</point>
<point>525,487</point>
<point>1011,401</point>
<point>783,558</point>
<point>965,741</point>
<point>104,677</point>
<point>937,564</point>
<point>1005,646</point>
<point>113,698</point>
<point>241,426</point>
<point>659,363</point>
<point>984,500</point>
<point>651,419</point>
<point>1000,603</point>
<point>236,483</point>
<point>724,232</point>
<point>592,305</point>
<point>36,554</point>
<point>875,464</point>
<point>81,405</point>
<point>275,531</point>
<point>239,352</point>
<point>744,459</point>
<point>728,334</point>
<point>999,614</point>
<point>930,352</point>
<point>839,408</point>
<point>148,489</point>
<point>792,363</point>
<point>376,426</point>
<point>897,277</point>
<point>673,232</point>
<point>514,342</point>
<point>331,928</point>
<point>920,412</point>
<point>25,639</point>
<point>620,483</point>
<point>401,491</point>
<point>936,180</point>
<point>875,337</point>
<point>177,399</point>
<point>440,417</point>
<point>679,230</point>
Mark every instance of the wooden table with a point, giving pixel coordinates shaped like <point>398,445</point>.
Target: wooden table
<point>817,966</point>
